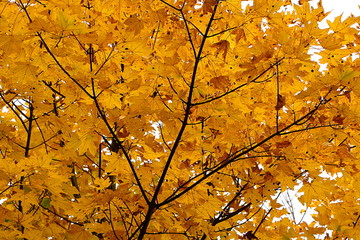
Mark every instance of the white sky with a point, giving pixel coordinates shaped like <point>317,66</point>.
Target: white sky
<point>346,7</point>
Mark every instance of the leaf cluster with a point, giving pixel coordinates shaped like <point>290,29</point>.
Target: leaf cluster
<point>177,120</point>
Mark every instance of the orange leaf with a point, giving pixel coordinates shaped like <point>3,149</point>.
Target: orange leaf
<point>221,82</point>
<point>222,46</point>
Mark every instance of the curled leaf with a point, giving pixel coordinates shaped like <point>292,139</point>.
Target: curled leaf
<point>280,102</point>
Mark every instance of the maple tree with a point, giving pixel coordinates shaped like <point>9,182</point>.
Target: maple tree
<point>177,120</point>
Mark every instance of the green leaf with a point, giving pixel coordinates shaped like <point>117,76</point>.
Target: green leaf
<point>45,202</point>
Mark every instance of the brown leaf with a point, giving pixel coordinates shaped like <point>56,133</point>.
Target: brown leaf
<point>283,144</point>
<point>208,6</point>
<point>339,119</point>
<point>240,34</point>
<point>123,133</point>
<point>280,102</point>
<point>344,153</point>
<point>221,82</point>
<point>222,46</point>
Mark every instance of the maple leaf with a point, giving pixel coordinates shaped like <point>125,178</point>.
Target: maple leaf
<point>240,34</point>
<point>134,24</point>
<point>222,46</point>
<point>208,6</point>
<point>221,82</point>
<point>65,21</point>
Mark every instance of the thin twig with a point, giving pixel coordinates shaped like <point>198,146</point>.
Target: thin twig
<point>242,85</point>
<point>233,158</point>
<point>14,183</point>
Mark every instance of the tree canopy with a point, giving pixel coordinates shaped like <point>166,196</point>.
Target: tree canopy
<point>177,119</point>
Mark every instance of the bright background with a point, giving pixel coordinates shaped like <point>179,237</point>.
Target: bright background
<point>338,7</point>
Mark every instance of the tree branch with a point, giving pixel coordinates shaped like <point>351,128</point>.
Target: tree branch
<point>153,204</point>
<point>242,85</point>
<point>233,158</point>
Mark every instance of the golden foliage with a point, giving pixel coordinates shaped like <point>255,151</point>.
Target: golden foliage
<point>177,120</point>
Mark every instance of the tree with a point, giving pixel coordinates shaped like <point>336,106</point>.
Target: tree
<point>177,120</point>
